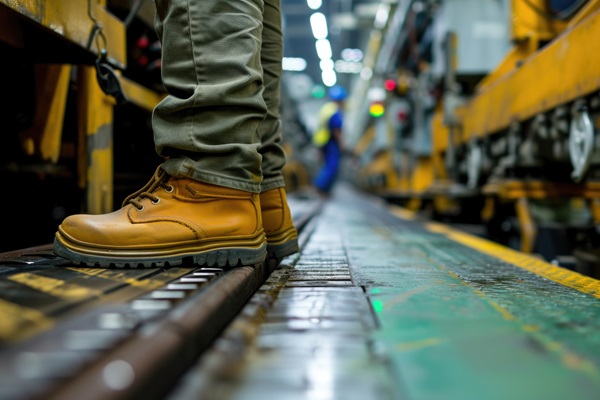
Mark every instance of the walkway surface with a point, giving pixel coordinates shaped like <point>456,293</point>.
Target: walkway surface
<point>379,305</point>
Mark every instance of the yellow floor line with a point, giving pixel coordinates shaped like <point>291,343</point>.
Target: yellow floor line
<point>528,262</point>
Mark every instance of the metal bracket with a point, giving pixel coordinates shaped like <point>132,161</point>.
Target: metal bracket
<point>581,143</point>
<point>108,79</point>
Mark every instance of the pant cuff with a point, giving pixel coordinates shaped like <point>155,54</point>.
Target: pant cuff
<point>182,169</point>
<point>272,183</point>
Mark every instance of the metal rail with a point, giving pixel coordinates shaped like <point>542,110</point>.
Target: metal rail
<point>113,334</point>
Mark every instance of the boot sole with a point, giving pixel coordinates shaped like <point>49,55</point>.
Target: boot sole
<point>282,244</point>
<point>280,251</point>
<point>230,256</point>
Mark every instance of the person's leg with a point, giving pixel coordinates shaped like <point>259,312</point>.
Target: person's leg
<point>202,204</point>
<point>270,128</point>
<point>207,126</point>
<point>327,176</point>
<point>282,238</point>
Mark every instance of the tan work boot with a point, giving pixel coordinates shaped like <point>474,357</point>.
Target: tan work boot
<point>282,237</point>
<point>169,222</point>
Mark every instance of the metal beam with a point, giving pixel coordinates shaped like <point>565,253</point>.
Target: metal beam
<point>73,20</point>
<point>561,72</point>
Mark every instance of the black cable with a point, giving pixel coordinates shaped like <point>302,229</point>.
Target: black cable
<point>95,27</point>
<point>133,12</point>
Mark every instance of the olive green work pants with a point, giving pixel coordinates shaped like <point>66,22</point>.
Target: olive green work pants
<point>221,68</point>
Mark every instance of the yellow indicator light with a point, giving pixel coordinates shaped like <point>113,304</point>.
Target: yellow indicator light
<point>376,110</point>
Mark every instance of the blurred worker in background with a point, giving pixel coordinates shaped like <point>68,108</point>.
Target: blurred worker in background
<point>329,139</point>
<point>218,198</point>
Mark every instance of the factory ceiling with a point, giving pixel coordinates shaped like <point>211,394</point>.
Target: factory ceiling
<point>348,25</point>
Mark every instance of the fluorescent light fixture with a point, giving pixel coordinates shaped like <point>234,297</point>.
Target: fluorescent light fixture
<point>352,55</point>
<point>314,4</point>
<point>366,73</point>
<point>329,77</point>
<point>318,24</point>
<point>326,64</point>
<point>376,94</point>
<point>293,64</point>
<point>381,17</point>
<point>323,49</point>
<point>348,67</point>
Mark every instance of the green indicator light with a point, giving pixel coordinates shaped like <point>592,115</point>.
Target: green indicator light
<point>318,92</point>
<point>375,291</point>
<point>377,306</point>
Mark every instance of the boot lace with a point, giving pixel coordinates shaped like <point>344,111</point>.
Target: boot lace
<point>158,180</point>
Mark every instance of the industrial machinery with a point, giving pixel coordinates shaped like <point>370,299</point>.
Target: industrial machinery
<point>491,117</point>
<point>80,80</point>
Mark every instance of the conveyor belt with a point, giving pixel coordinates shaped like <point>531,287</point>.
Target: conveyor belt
<point>378,305</point>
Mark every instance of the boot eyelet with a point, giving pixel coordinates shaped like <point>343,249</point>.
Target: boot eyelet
<point>140,209</point>
<point>169,189</point>
<point>157,201</point>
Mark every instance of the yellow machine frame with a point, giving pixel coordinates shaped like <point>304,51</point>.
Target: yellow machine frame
<point>75,21</point>
<point>528,82</point>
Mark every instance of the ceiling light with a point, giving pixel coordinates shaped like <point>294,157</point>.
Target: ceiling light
<point>381,17</point>
<point>326,64</point>
<point>318,24</point>
<point>314,4</point>
<point>323,49</point>
<point>329,77</point>
<point>293,64</point>
<point>366,73</point>
<point>348,67</point>
<point>352,55</point>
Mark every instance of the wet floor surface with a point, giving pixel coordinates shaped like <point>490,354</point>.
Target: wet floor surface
<point>377,307</point>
